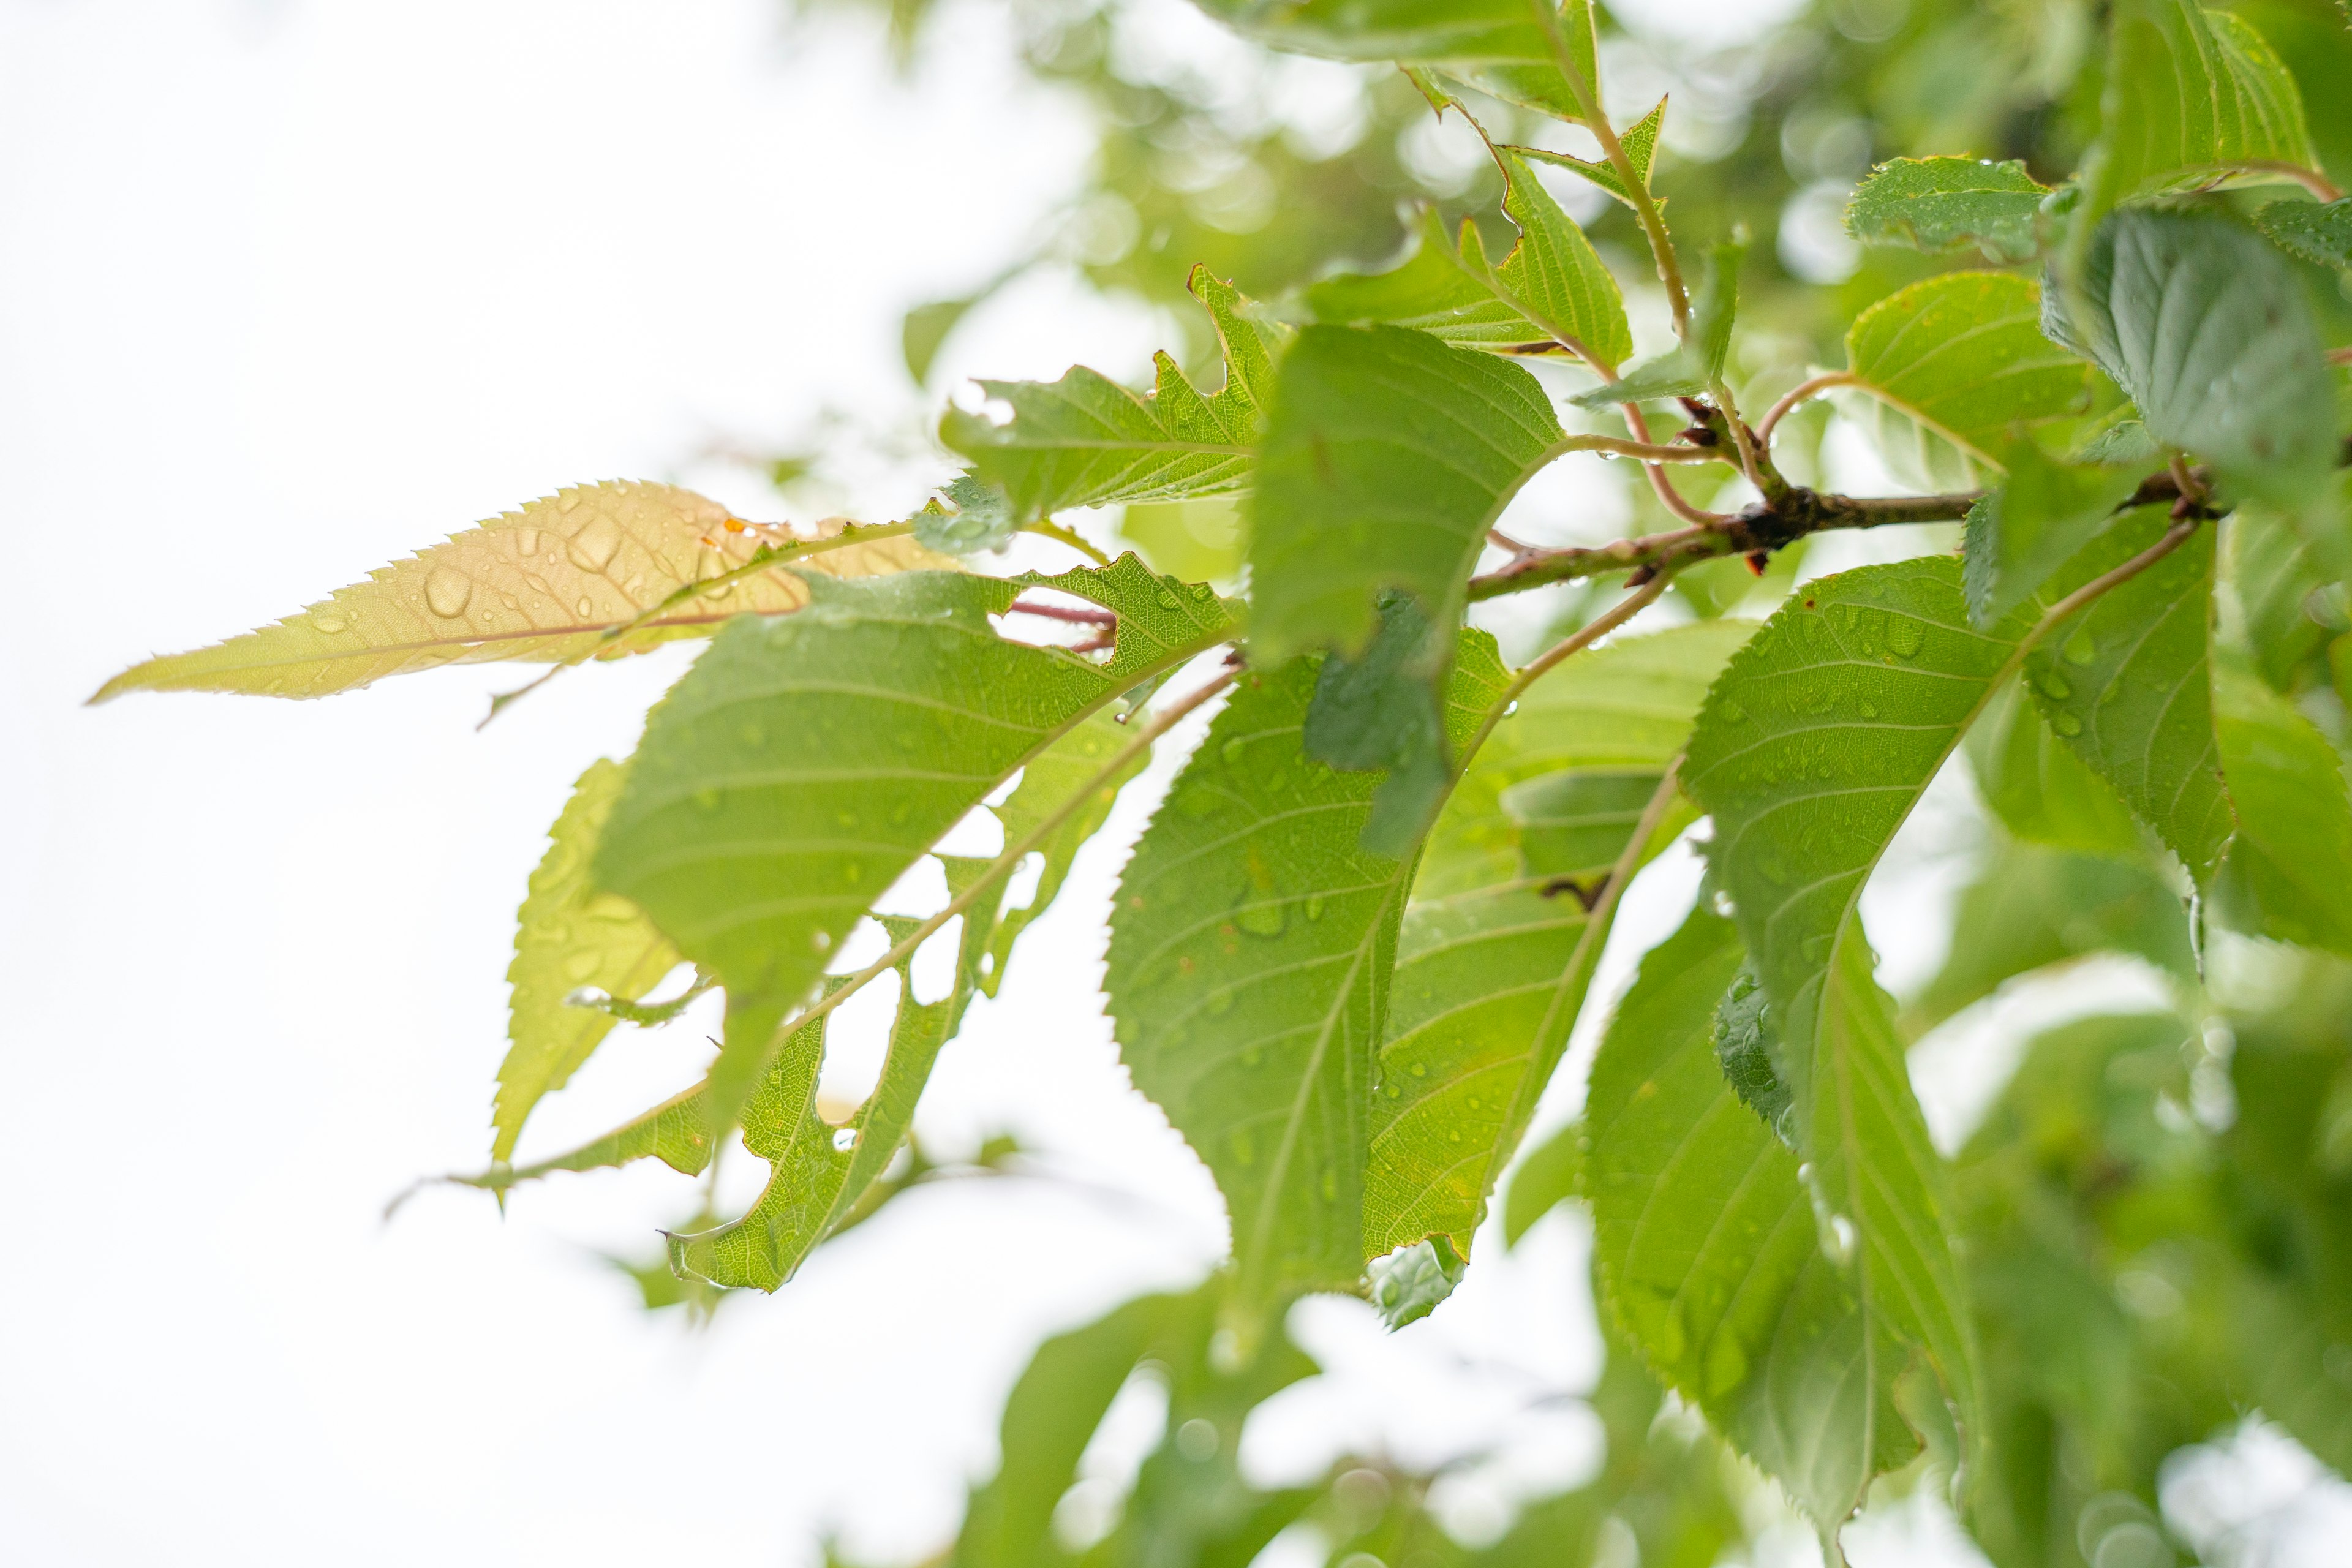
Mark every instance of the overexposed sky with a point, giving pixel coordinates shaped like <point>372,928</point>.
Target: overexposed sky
<point>289,289</point>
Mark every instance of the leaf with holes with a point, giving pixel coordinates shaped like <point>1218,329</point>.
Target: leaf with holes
<point>556,582</point>
<point>806,761</point>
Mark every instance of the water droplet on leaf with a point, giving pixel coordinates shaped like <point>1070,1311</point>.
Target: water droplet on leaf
<point>446,593</point>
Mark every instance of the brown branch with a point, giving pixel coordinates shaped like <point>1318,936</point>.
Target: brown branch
<point>1090,617</point>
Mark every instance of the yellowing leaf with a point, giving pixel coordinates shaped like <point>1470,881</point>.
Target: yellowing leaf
<point>546,584</point>
<point>569,936</point>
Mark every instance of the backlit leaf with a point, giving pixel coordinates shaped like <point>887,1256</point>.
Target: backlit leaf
<point>1711,1257</point>
<point>819,1172</point>
<point>545,584</point>
<point>1386,459</point>
<point>1495,45</point>
<point>1944,368</point>
<point>2019,536</point>
<point>1551,288</point>
<point>570,937</point>
<point>807,761</point>
<point>2190,93</point>
<point>1940,205</point>
<point>2039,788</point>
<point>1489,979</point>
<point>1640,141</point>
<point>1251,946</point>
<point>2125,686</point>
<point>2208,332</point>
<point>1691,367</point>
<point>1084,440</point>
<point>2288,875</point>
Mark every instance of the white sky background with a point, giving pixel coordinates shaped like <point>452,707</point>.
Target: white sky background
<point>288,290</point>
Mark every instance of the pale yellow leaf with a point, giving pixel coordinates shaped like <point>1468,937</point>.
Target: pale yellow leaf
<point>546,584</point>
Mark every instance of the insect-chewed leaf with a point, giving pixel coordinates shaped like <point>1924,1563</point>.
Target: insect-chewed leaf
<point>548,583</point>
<point>2126,685</point>
<point>1944,368</point>
<point>2288,875</point>
<point>1251,947</point>
<point>1786,1320</point>
<point>2209,331</point>
<point>2032,905</point>
<point>1550,289</point>
<point>819,1172</point>
<point>807,761</point>
<point>2191,92</point>
<point>677,1133</point>
<point>2311,231</point>
<point>1498,949</point>
<point>1387,458</point>
<point>1084,440</point>
<point>569,936</point>
<point>1950,203</point>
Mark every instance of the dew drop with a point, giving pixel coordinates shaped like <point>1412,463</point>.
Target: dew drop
<point>1220,1001</point>
<point>1262,919</point>
<point>584,607</point>
<point>706,799</point>
<point>1245,1147</point>
<point>1838,1239</point>
<point>2054,686</point>
<point>1421,1070</point>
<point>1472,1102</point>
<point>1904,636</point>
<point>1733,713</point>
<point>593,548</point>
<point>538,583</point>
<point>2080,649</point>
<point>1167,600</point>
<point>510,601</point>
<point>446,593</point>
<point>529,539</point>
<point>2067,725</point>
<point>331,625</point>
<point>580,965</point>
<point>1314,906</point>
<point>844,1139</point>
<point>1231,752</point>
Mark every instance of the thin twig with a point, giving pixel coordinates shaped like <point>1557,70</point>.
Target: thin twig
<point>1796,395</point>
<point>1653,228</point>
<point>1091,617</point>
<point>1639,423</point>
<point>2339,356</point>
<point>2321,187</point>
<point>2174,537</point>
<point>1584,636</point>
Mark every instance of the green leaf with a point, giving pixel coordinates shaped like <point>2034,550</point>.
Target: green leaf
<point>983,519</point>
<point>818,1173</point>
<point>1049,1418</point>
<point>1941,205</point>
<point>1409,1284</point>
<point>2125,686</point>
<point>1711,1257</point>
<point>1495,45</point>
<point>2208,332</point>
<point>2319,233</point>
<point>1251,946</point>
<point>2289,871</point>
<point>677,1133</point>
<point>2278,581</point>
<point>546,584</point>
<point>1084,440</point>
<point>1075,762</point>
<point>1386,459</point>
<point>570,937</point>
<point>1945,369</point>
<point>2190,93</point>
<point>2031,906</point>
<point>1493,970</point>
<point>1746,1042</point>
<point>1640,141</point>
<point>806,761</point>
<point>1380,712</point>
<point>1550,289</point>
<point>1552,1173</point>
<point>2039,788</point>
<point>924,330</point>
<point>1693,366</point>
<point>2019,536</point>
